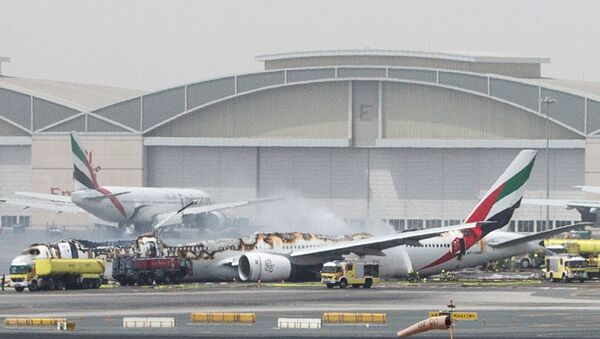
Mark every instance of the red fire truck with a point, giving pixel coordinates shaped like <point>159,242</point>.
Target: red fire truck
<point>131,270</point>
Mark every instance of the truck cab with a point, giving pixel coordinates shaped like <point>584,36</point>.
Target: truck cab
<point>350,272</point>
<point>566,268</point>
<point>21,272</point>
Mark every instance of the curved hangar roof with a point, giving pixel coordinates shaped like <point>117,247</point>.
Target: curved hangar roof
<point>331,103</point>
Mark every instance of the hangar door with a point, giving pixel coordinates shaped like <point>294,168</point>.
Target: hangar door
<point>333,178</point>
<point>15,175</point>
<point>226,173</point>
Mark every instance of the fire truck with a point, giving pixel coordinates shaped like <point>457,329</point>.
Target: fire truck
<point>565,268</point>
<point>350,272</point>
<point>131,270</point>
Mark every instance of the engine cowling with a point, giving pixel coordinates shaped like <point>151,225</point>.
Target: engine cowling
<point>257,266</point>
<point>206,220</point>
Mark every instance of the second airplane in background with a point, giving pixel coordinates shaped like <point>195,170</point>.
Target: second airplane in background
<point>141,207</point>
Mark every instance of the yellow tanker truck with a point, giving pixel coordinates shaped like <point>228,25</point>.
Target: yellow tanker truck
<point>576,246</point>
<point>60,274</point>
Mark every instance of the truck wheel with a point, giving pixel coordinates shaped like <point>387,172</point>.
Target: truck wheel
<point>343,283</point>
<point>525,263</point>
<point>59,284</point>
<point>368,283</point>
<point>565,279</point>
<point>33,286</point>
<point>329,285</point>
<point>96,283</point>
<point>551,277</point>
<point>19,288</point>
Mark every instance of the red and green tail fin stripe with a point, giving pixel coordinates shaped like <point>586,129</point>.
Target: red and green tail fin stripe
<point>83,173</point>
<point>77,150</point>
<point>508,187</point>
<point>517,181</point>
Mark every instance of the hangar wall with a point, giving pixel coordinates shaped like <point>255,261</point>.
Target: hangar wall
<point>15,175</point>
<point>592,164</point>
<point>226,173</point>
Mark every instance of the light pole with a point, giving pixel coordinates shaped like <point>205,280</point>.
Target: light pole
<point>547,101</point>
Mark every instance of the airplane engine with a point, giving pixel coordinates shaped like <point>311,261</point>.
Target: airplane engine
<point>257,266</point>
<point>206,220</point>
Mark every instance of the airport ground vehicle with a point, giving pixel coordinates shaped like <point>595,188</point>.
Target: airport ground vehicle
<point>131,270</point>
<point>530,260</point>
<point>60,274</point>
<point>576,246</point>
<point>565,268</point>
<point>350,272</point>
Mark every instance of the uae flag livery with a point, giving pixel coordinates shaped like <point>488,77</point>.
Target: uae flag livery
<point>83,174</point>
<point>498,204</point>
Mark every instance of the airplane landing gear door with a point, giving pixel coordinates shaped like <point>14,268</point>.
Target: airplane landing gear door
<point>459,247</point>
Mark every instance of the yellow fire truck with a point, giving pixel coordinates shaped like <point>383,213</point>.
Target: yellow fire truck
<point>565,268</point>
<point>356,273</point>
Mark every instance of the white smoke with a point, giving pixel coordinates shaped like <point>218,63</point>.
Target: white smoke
<point>296,213</point>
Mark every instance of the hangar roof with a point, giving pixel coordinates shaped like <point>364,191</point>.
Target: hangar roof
<point>454,56</point>
<point>83,97</point>
<point>587,87</point>
<point>44,106</point>
<point>476,62</point>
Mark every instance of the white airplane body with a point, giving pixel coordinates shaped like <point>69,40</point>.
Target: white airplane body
<point>222,260</point>
<point>275,256</point>
<point>143,207</point>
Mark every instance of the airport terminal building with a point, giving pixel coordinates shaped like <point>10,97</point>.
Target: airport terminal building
<point>414,138</point>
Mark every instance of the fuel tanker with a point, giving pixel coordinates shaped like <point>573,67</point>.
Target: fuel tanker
<point>60,274</point>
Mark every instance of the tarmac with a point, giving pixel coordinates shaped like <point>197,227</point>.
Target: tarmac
<point>505,309</point>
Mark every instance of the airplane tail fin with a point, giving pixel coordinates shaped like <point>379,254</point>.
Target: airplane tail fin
<point>84,176</point>
<point>499,203</point>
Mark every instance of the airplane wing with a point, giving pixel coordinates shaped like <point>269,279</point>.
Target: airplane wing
<point>546,202</point>
<point>45,196</point>
<point>563,203</point>
<point>59,207</point>
<point>224,206</point>
<point>536,236</point>
<point>589,189</point>
<point>374,245</point>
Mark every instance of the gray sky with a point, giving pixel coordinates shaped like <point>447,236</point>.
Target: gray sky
<point>156,44</point>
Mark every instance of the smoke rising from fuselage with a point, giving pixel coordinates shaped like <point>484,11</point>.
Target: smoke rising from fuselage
<point>296,213</point>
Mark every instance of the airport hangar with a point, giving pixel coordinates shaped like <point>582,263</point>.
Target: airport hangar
<point>409,137</point>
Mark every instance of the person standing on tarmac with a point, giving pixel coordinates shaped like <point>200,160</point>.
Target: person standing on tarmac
<point>3,278</point>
